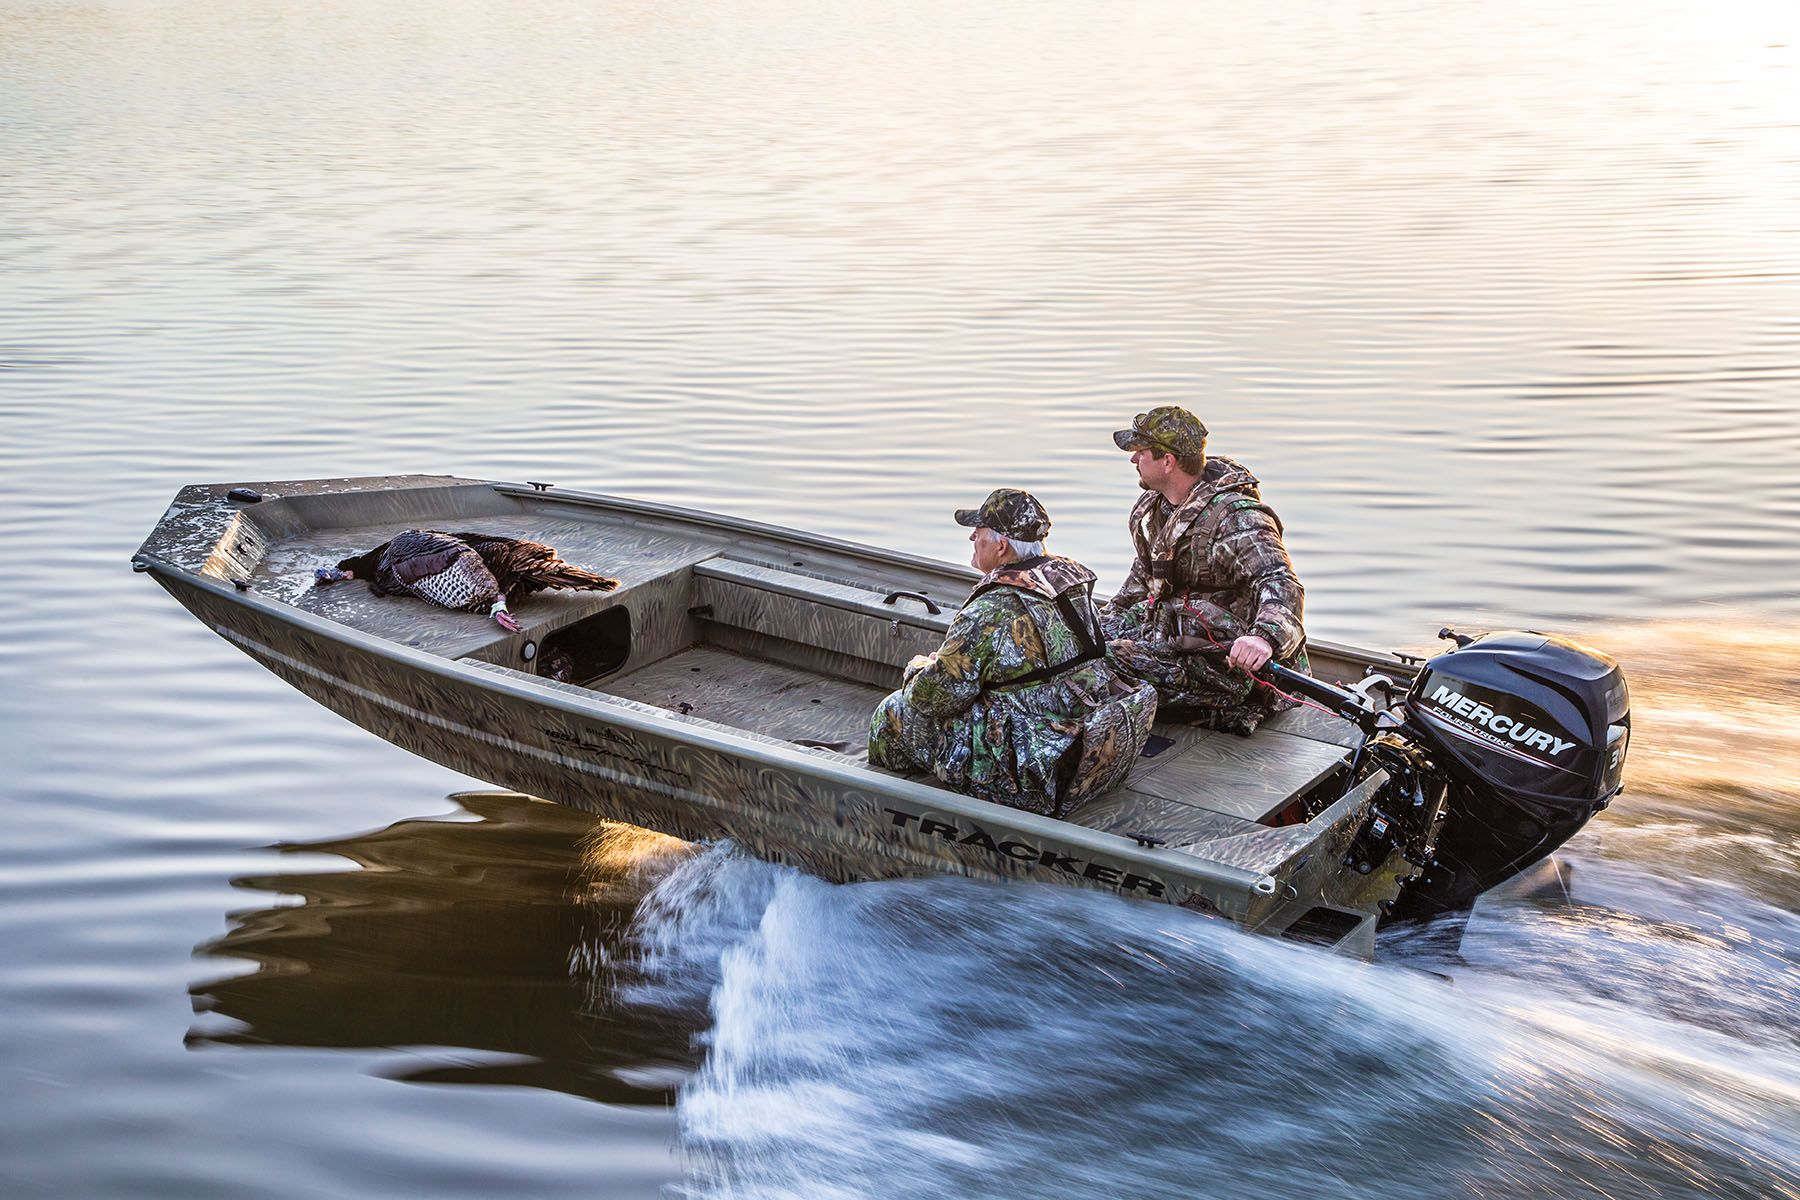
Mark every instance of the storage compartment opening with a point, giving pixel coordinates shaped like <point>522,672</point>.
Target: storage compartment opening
<point>1313,801</point>
<point>590,648</point>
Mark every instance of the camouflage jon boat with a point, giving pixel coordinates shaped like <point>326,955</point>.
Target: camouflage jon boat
<point>724,691</point>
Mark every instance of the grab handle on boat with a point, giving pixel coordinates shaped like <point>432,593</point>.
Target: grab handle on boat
<point>930,604</point>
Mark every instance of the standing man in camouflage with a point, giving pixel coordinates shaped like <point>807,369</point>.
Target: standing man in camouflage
<point>1212,596</point>
<point>1019,705</point>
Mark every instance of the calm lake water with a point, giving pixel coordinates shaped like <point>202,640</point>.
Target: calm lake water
<point>1502,302</point>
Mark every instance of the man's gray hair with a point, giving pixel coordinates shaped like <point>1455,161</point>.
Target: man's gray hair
<point>1023,549</point>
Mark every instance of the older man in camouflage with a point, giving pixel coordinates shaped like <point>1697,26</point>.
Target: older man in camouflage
<point>1019,705</point>
<point>1212,596</point>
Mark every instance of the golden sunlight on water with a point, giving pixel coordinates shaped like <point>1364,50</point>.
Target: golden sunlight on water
<point>1712,777</point>
<point>1715,711</point>
<point>611,851</point>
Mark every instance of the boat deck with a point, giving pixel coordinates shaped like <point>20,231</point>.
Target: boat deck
<point>633,556</point>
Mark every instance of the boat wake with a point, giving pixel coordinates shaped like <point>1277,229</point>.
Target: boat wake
<point>1620,1027</point>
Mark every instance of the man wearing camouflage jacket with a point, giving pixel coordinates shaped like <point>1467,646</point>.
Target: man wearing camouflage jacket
<point>1019,705</point>
<point>1212,596</point>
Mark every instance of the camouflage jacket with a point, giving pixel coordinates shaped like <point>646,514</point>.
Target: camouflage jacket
<point>994,683</point>
<point>1222,546</point>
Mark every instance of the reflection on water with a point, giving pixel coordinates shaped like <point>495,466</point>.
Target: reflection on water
<point>497,935</point>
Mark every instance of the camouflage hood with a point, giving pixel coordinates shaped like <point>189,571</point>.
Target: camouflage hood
<point>1048,575</point>
<point>1221,475</point>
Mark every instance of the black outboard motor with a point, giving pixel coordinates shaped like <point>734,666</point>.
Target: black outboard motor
<point>1531,731</point>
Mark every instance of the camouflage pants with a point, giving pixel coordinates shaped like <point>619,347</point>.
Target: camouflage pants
<point>1198,687</point>
<point>900,739</point>
<point>960,752</point>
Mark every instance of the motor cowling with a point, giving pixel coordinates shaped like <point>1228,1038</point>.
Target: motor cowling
<point>1531,730</point>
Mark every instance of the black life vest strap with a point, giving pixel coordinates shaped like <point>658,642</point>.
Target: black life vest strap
<point>1091,649</point>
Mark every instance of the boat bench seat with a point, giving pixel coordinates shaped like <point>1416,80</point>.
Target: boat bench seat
<point>826,625</point>
<point>1193,785</point>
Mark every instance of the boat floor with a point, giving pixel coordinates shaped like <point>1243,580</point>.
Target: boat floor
<point>794,705</point>
<point>1191,785</point>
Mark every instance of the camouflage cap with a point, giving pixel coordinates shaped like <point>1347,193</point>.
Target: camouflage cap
<point>1011,511</point>
<point>1169,429</point>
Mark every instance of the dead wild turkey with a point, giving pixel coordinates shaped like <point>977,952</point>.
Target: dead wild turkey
<point>471,572</point>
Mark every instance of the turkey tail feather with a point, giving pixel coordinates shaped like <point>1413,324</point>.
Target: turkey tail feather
<point>524,567</point>
<point>559,574</point>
